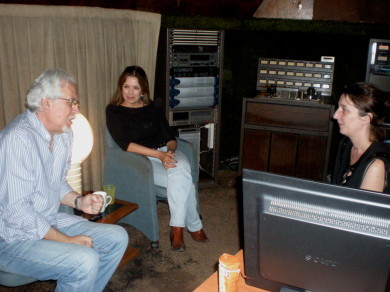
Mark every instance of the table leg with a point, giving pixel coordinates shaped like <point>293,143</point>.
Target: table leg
<point>129,254</point>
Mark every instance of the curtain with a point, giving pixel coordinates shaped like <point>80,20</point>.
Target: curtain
<point>94,44</point>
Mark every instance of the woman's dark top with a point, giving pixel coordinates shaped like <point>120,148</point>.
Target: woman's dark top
<point>146,126</point>
<point>377,150</point>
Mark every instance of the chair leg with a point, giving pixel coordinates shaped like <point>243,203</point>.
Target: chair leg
<point>154,244</point>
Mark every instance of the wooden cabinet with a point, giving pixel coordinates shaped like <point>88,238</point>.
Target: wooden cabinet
<point>286,137</point>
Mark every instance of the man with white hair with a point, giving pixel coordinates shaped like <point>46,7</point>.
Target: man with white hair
<point>36,240</point>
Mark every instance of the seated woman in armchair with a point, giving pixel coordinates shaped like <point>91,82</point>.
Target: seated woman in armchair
<point>137,125</point>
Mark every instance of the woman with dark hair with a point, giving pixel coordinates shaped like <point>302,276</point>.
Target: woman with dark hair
<point>362,158</point>
<point>137,125</point>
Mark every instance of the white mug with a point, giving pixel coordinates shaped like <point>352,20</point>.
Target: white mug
<point>106,199</point>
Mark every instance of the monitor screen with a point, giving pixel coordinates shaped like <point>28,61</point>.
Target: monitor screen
<point>305,235</point>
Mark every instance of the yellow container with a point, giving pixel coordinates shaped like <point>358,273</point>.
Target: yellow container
<point>228,273</point>
<point>110,190</point>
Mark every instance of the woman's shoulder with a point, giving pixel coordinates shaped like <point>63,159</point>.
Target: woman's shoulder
<point>112,110</point>
<point>380,149</point>
<point>379,153</point>
<point>150,105</point>
<point>382,145</point>
<point>151,108</point>
<point>375,176</point>
<point>112,107</point>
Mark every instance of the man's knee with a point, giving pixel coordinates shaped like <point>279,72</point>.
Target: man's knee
<point>83,263</point>
<point>116,237</point>
<point>120,235</point>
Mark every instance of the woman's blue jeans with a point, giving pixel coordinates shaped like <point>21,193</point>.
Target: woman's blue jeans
<point>180,191</point>
<point>75,267</point>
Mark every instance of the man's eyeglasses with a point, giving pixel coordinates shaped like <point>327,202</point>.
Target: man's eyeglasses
<point>74,102</point>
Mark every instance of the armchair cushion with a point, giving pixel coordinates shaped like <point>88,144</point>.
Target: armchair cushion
<point>14,280</point>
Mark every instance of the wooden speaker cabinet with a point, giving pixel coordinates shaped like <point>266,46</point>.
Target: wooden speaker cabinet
<point>286,137</point>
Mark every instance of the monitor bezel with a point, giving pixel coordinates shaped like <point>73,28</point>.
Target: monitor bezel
<point>319,192</point>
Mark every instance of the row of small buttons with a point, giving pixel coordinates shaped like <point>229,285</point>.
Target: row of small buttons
<point>292,83</point>
<point>293,73</point>
<point>296,64</point>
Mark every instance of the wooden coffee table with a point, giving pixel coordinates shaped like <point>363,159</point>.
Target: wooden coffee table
<point>112,215</point>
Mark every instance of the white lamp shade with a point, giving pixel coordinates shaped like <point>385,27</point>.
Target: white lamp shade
<point>82,147</point>
<point>82,139</point>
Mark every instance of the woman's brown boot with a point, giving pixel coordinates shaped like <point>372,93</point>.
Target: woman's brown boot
<point>177,239</point>
<point>199,236</point>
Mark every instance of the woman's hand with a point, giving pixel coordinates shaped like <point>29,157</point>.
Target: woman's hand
<point>168,159</point>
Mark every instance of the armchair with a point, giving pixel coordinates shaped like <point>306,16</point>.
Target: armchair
<point>14,280</point>
<point>132,174</point>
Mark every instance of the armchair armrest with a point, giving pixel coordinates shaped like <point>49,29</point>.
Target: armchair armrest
<point>132,174</point>
<point>189,151</point>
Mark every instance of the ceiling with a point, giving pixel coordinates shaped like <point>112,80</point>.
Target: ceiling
<point>367,11</point>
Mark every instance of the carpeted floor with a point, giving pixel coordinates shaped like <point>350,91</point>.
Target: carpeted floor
<point>162,270</point>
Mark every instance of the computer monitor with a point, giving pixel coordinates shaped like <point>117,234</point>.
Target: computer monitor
<point>305,235</point>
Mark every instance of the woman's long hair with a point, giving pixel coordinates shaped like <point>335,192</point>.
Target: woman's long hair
<point>132,71</point>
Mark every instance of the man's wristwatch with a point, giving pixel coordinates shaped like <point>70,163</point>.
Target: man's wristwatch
<point>75,202</point>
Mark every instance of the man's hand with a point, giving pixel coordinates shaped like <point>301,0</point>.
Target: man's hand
<point>56,235</point>
<point>90,204</point>
<point>81,240</point>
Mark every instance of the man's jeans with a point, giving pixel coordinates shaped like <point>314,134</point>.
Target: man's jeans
<point>75,267</point>
<point>180,191</point>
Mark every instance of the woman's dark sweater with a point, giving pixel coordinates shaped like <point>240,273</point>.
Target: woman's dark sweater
<point>146,126</point>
